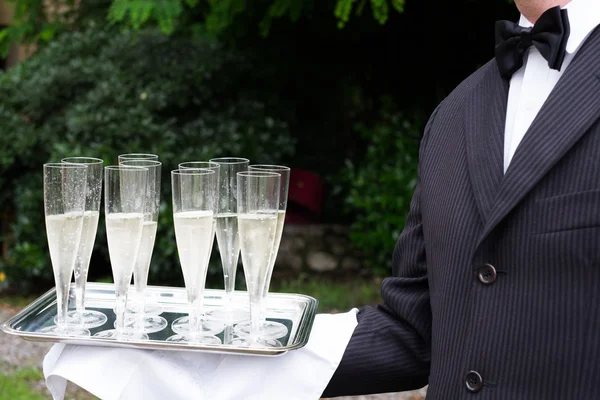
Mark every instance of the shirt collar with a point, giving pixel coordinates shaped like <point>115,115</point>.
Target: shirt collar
<point>584,16</point>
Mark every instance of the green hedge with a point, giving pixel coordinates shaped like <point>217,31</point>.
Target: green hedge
<point>381,186</point>
<point>101,93</point>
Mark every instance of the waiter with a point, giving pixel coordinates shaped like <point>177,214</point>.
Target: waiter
<point>495,291</point>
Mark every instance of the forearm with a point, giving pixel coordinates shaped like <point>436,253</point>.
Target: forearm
<point>384,355</point>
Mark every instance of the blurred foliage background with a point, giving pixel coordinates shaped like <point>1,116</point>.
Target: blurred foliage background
<point>341,88</point>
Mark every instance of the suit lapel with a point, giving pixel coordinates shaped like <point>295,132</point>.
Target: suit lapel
<point>570,110</point>
<point>485,120</point>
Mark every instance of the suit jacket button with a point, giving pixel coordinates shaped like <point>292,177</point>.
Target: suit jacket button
<point>473,381</point>
<point>487,274</point>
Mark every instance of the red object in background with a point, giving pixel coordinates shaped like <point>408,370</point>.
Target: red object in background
<point>305,197</point>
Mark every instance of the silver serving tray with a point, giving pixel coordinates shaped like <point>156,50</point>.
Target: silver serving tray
<point>296,311</point>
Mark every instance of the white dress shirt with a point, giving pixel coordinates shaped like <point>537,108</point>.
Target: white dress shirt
<point>531,85</point>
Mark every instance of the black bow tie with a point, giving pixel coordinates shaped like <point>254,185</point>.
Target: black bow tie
<point>549,35</point>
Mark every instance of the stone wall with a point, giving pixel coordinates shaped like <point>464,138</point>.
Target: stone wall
<point>317,248</point>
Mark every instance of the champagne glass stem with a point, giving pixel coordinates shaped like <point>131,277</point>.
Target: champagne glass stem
<point>121,302</point>
<point>228,334</point>
<point>79,286</point>
<point>62,300</point>
<point>263,304</point>
<point>196,315</point>
<point>229,283</point>
<point>256,305</point>
<point>141,282</point>
<point>142,305</point>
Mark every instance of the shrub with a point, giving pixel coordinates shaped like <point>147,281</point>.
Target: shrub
<point>101,93</point>
<point>381,186</point>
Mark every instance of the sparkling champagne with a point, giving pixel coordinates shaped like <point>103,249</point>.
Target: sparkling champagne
<point>123,231</point>
<point>86,246</point>
<point>144,256</point>
<point>257,236</point>
<point>64,235</point>
<point>84,254</point>
<point>278,234</point>
<point>194,234</point>
<point>229,246</point>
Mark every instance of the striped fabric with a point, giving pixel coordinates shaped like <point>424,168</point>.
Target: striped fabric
<point>495,291</point>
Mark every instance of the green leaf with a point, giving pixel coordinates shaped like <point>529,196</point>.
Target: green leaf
<point>47,34</point>
<point>5,43</point>
<point>380,10</point>
<point>342,10</point>
<point>398,5</point>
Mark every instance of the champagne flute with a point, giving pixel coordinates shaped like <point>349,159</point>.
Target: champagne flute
<point>271,329</point>
<point>257,209</point>
<point>137,156</point>
<point>146,316</point>
<point>195,198</point>
<point>124,214</point>
<point>87,318</point>
<point>152,307</point>
<point>227,235</point>
<point>182,324</point>
<point>64,206</point>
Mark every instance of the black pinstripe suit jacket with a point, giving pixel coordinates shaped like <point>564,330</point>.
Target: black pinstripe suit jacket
<point>534,332</point>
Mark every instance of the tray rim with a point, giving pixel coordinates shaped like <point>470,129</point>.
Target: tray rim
<point>302,335</point>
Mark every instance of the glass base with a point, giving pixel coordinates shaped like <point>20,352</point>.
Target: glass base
<point>148,324</point>
<point>181,326</point>
<point>123,335</point>
<point>65,330</point>
<point>194,339</point>
<point>150,308</point>
<point>228,316</point>
<point>87,319</point>
<point>258,342</point>
<point>268,330</point>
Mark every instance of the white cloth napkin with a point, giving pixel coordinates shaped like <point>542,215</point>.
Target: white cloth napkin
<point>119,373</point>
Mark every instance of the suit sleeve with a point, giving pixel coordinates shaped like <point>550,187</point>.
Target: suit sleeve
<point>390,348</point>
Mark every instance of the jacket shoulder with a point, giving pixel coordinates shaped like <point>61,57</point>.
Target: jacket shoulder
<point>465,88</point>
<point>452,107</point>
